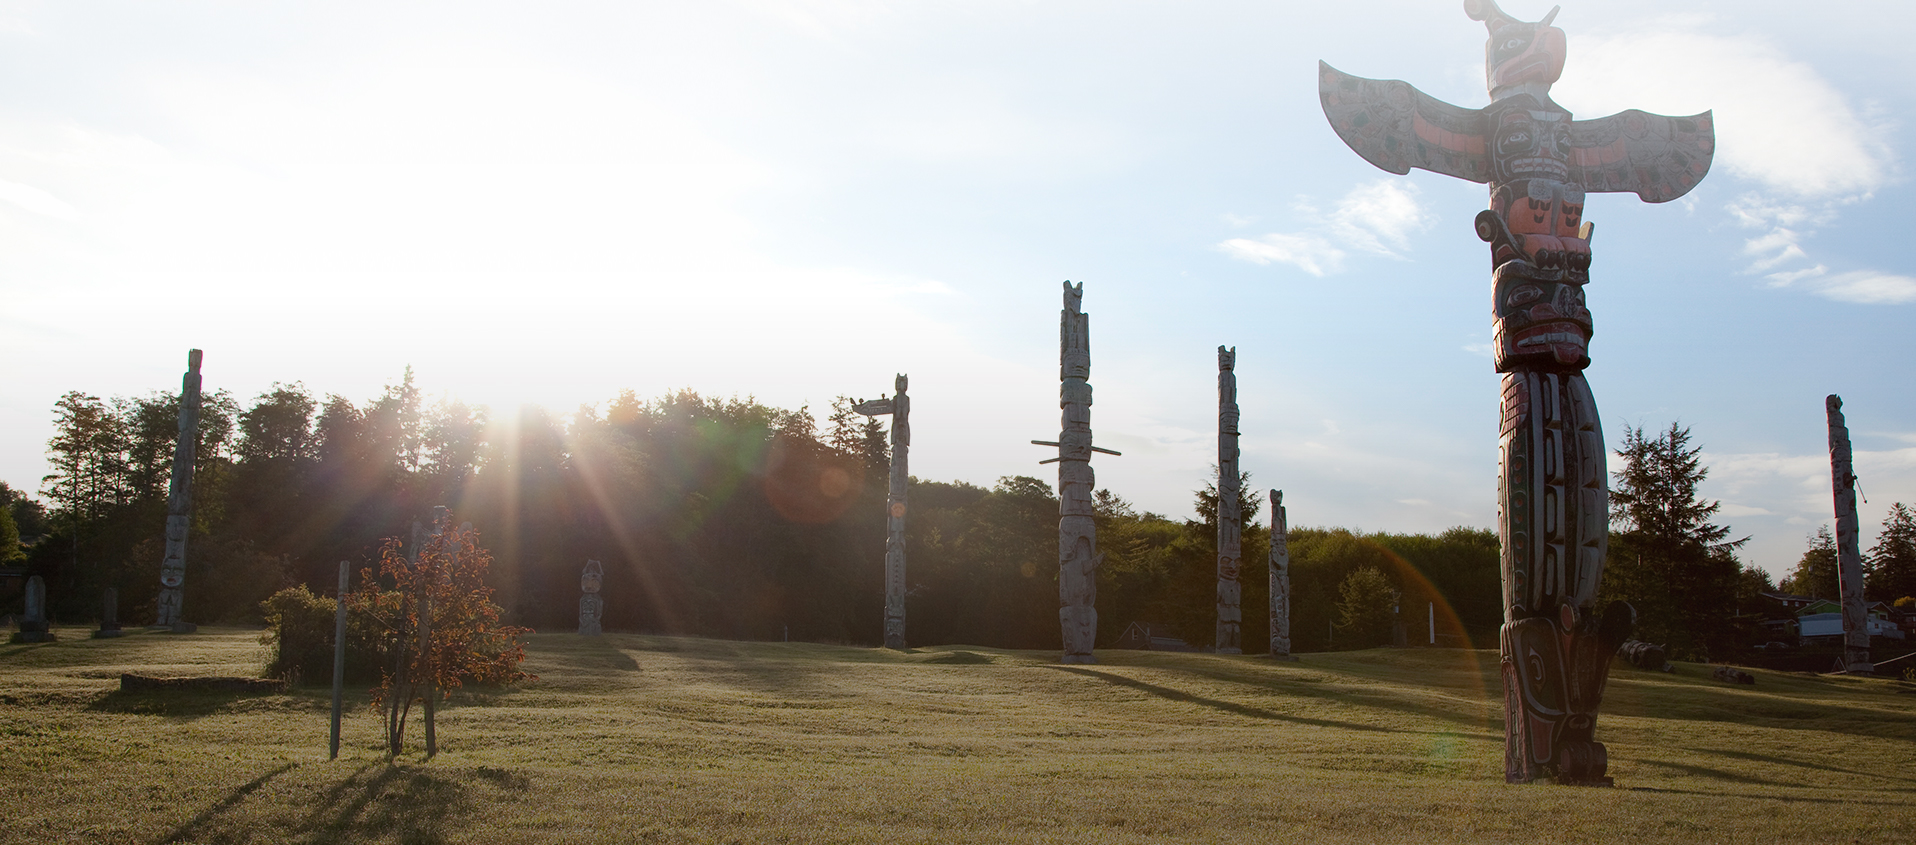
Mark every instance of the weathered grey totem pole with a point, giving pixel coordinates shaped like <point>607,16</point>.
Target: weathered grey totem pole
<point>1230,525</point>
<point>1280,579</point>
<point>591,605</point>
<point>1078,556</point>
<point>34,627</point>
<point>1849,556</point>
<point>179,502</point>
<point>899,407</point>
<point>1539,163</point>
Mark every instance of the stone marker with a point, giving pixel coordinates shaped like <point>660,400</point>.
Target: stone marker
<point>1733,676</point>
<point>1230,525</point>
<point>179,502</point>
<point>591,605</point>
<point>109,615</point>
<point>1849,557</point>
<point>899,407</point>
<point>1078,556</point>
<point>1280,579</point>
<point>33,622</point>
<point>1539,163</point>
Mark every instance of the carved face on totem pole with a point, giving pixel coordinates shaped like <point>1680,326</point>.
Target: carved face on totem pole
<point>593,577</point>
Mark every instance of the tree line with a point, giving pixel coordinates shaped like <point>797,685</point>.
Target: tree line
<point>714,517</point>
<point>731,518</point>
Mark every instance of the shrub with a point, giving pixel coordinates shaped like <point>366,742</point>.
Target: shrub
<point>299,633</point>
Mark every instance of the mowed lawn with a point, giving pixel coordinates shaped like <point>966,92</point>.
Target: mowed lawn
<point>630,738</point>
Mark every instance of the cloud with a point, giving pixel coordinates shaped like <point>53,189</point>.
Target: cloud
<point>37,201</point>
<point>1778,122</point>
<point>1310,253</point>
<point>1378,217</point>
<point>1385,211</point>
<point>1867,287</point>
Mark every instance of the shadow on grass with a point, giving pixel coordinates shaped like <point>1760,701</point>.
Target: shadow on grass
<point>398,802</point>
<point>1784,761</point>
<point>1382,699</point>
<point>1758,796</point>
<point>1226,706</point>
<point>191,830</point>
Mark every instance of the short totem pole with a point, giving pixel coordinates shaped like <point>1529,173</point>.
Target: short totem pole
<point>1078,557</point>
<point>1538,162</point>
<point>899,407</point>
<point>1280,579</point>
<point>179,502</point>
<point>1849,556</point>
<point>591,604</point>
<point>1230,525</point>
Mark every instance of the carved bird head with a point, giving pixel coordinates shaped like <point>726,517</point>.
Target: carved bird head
<point>1518,52</point>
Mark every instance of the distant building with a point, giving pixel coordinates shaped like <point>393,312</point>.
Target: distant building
<point>1790,602</point>
<point>1824,618</point>
<point>1146,636</point>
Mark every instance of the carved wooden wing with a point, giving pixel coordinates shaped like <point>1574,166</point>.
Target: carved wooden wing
<point>1398,127</point>
<point>874,408</point>
<point>1656,157</point>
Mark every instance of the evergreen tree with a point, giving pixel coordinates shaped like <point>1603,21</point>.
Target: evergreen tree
<point>1892,561</point>
<point>10,551</point>
<point>1668,560</point>
<point>1365,601</point>
<point>1816,572</point>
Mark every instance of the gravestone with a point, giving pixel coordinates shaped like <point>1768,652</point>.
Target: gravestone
<point>899,407</point>
<point>591,605</point>
<point>1230,525</point>
<point>1280,563</point>
<point>1078,557</point>
<point>179,502</point>
<point>1556,647</point>
<point>1849,556</point>
<point>109,615</point>
<point>33,622</point>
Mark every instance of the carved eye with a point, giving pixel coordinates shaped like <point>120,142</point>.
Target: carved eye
<point>1514,44</point>
<point>1525,295</point>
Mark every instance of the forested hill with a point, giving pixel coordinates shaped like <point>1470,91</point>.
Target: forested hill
<point>713,517</point>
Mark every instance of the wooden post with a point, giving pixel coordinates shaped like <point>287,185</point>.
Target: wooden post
<point>1849,557</point>
<point>1230,525</point>
<point>441,521</point>
<point>339,657</point>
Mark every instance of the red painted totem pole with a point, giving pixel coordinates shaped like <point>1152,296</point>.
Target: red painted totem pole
<point>1553,503</point>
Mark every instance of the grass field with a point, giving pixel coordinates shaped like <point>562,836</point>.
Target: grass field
<point>629,738</point>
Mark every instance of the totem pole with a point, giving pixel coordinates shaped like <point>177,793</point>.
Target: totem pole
<point>1849,557</point>
<point>591,605</point>
<point>1538,162</point>
<point>1280,579</point>
<point>179,502</point>
<point>1078,557</point>
<point>1230,526</point>
<point>899,407</point>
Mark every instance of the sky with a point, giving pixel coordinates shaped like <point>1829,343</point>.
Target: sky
<point>549,203</point>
